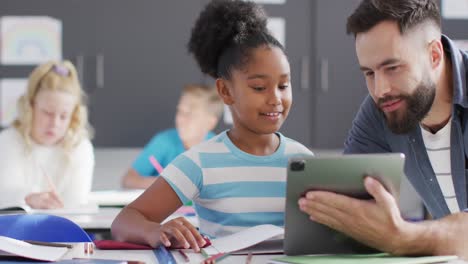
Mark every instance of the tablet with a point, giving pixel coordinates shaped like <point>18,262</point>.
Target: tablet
<point>342,174</point>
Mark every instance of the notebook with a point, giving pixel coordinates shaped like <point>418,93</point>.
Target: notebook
<point>10,247</point>
<point>258,239</point>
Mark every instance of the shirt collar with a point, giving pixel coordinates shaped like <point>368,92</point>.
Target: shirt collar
<point>458,72</point>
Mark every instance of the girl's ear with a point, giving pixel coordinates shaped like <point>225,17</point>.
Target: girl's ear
<point>222,86</point>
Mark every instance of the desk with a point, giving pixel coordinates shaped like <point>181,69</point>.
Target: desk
<point>100,223</point>
<point>148,256</point>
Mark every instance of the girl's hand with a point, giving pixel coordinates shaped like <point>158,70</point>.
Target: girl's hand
<point>44,200</point>
<point>179,233</point>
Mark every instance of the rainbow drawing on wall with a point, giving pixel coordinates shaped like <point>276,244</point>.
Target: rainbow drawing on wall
<point>10,92</point>
<point>28,40</point>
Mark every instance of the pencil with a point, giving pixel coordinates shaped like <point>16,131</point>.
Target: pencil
<point>156,164</point>
<point>185,256</point>
<point>49,180</point>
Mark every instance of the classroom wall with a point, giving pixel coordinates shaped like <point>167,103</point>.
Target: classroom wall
<point>141,46</point>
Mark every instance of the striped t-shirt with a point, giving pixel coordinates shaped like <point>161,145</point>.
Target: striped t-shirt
<point>438,150</point>
<point>232,189</point>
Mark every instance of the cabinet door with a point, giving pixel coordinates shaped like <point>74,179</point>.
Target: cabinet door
<point>141,64</point>
<point>340,84</point>
<point>298,44</point>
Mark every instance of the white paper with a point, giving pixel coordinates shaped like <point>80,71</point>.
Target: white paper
<point>20,248</point>
<point>454,9</point>
<point>29,40</point>
<point>114,197</point>
<point>10,92</point>
<point>243,239</point>
<point>277,28</point>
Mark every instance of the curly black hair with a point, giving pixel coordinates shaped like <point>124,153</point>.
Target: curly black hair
<point>225,33</point>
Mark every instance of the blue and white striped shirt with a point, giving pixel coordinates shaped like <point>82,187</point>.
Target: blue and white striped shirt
<point>232,189</point>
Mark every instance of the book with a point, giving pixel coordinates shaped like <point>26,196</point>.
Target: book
<point>90,208</point>
<point>379,258</point>
<point>10,247</point>
<point>256,240</point>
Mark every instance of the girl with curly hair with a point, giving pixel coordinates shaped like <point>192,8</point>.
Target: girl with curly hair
<point>236,179</point>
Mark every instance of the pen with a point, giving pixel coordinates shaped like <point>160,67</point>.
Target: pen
<point>48,244</point>
<point>248,260</point>
<point>49,180</point>
<point>185,256</point>
<point>156,164</point>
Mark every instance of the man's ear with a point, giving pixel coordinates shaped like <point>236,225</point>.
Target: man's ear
<point>436,52</point>
<point>222,86</point>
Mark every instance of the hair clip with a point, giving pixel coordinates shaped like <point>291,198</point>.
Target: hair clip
<point>61,70</point>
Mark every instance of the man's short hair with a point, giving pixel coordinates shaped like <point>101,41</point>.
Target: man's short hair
<point>407,13</point>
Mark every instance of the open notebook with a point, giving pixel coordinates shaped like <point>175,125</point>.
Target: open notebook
<point>13,247</point>
<point>257,240</point>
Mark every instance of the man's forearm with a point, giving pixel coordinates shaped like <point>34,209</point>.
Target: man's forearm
<point>446,236</point>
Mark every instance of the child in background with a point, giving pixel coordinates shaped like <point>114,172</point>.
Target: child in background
<point>198,112</point>
<point>46,157</point>
<point>238,178</point>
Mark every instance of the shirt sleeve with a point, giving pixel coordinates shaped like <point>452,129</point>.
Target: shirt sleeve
<point>185,176</point>
<point>79,175</point>
<point>12,175</point>
<point>367,133</point>
<point>157,147</point>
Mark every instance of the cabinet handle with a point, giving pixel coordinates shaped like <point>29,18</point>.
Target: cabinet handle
<point>80,68</point>
<point>100,71</point>
<point>324,75</point>
<point>305,72</point>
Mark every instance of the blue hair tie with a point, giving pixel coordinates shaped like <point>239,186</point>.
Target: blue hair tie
<point>61,70</point>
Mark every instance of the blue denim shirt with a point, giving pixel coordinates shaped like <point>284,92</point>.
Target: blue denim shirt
<point>370,134</point>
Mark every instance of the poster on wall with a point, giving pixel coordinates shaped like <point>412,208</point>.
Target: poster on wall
<point>10,92</point>
<point>277,27</point>
<point>30,40</point>
<point>454,9</point>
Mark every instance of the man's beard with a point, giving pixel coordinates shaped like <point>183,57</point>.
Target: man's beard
<point>418,105</point>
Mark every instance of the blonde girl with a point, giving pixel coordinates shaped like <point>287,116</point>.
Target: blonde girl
<point>46,157</point>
